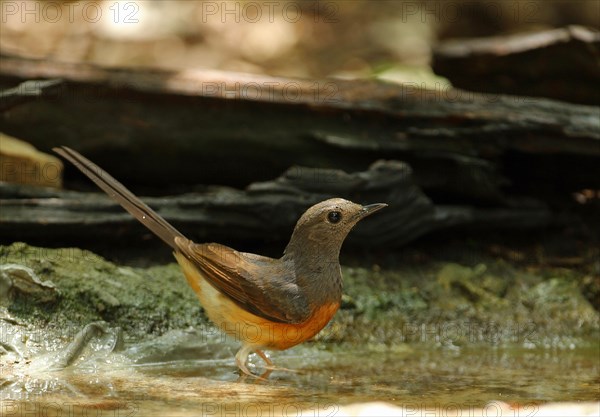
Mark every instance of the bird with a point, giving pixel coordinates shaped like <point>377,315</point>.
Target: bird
<point>265,303</point>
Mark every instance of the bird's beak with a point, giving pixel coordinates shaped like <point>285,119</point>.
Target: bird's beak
<point>371,208</point>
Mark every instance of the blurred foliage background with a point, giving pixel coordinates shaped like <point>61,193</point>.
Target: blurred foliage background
<point>316,39</point>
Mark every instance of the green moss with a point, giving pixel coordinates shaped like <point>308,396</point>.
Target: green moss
<point>141,301</point>
<point>490,302</point>
<point>439,303</point>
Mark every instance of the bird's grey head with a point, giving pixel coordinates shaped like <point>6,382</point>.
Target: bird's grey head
<point>325,225</point>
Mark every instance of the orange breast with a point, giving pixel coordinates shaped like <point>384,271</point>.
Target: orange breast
<point>247,327</point>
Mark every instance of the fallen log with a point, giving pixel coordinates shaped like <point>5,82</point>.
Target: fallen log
<point>268,209</point>
<point>477,160</point>
<point>156,128</point>
<point>558,63</point>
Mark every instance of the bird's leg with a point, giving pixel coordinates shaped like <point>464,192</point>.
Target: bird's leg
<point>241,357</point>
<point>270,365</point>
<point>265,358</point>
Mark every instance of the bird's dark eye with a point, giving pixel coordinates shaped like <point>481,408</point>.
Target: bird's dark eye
<point>334,216</point>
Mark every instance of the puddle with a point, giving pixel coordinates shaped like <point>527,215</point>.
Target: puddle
<point>321,379</point>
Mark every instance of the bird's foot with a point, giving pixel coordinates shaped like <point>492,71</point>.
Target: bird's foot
<point>241,359</point>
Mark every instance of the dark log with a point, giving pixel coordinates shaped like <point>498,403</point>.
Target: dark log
<point>481,161</point>
<point>268,209</point>
<point>559,63</point>
<point>155,129</point>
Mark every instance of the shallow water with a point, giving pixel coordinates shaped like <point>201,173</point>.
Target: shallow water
<point>321,378</point>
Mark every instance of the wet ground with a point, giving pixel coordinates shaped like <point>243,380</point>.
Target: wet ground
<point>321,379</point>
<point>438,337</point>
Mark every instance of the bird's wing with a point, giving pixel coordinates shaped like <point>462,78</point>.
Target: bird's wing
<point>258,284</point>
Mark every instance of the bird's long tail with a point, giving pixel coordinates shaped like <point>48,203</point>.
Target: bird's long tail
<point>117,191</point>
